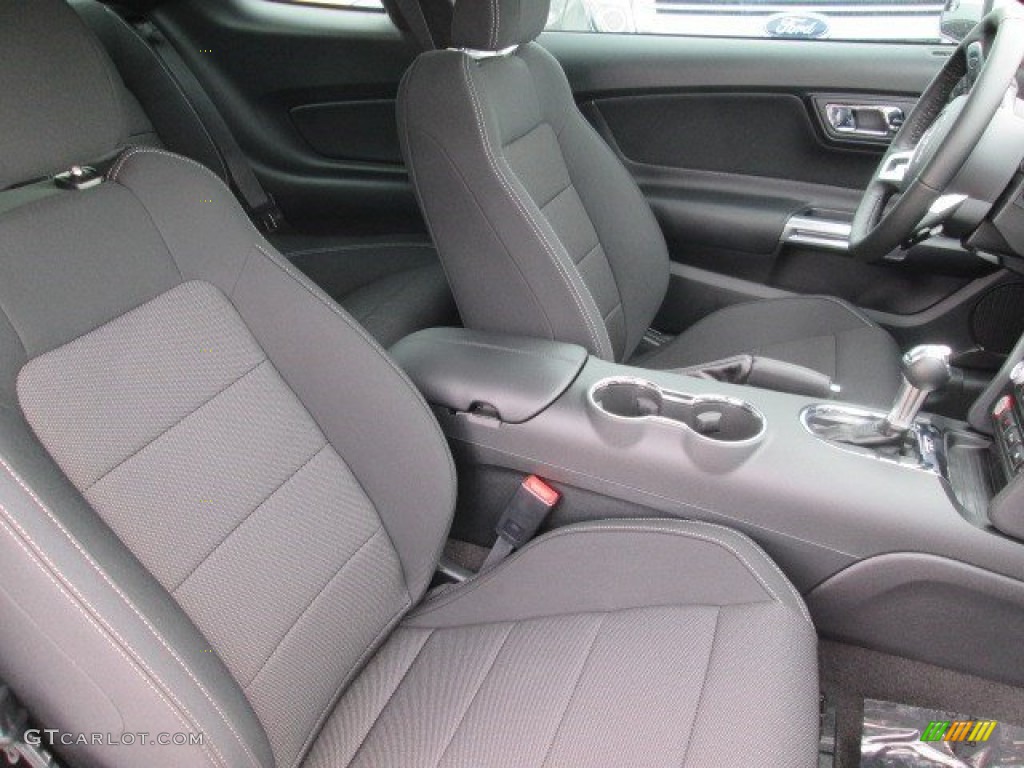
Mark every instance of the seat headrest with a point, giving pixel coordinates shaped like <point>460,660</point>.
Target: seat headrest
<point>61,103</point>
<point>493,25</point>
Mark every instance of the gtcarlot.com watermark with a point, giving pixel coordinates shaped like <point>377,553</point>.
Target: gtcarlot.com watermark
<point>51,737</point>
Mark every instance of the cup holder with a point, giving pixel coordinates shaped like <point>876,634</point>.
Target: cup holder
<point>710,417</point>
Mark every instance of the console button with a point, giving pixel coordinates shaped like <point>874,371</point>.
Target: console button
<point>1017,374</point>
<point>1013,437</point>
<point>1017,457</point>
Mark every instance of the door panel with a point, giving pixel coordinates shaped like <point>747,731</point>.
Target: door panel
<point>727,139</point>
<point>724,136</point>
<point>360,130</point>
<point>309,93</point>
<point>755,134</point>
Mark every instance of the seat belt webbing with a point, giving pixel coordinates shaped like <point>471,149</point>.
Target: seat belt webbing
<point>412,13</point>
<point>258,203</point>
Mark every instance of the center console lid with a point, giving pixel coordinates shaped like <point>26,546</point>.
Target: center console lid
<point>508,377</point>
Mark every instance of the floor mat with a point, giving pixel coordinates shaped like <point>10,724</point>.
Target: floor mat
<point>902,736</point>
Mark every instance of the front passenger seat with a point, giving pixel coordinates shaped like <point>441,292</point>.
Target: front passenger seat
<point>221,505</point>
<point>544,233</point>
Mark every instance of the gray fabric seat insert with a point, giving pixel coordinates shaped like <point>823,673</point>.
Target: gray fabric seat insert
<point>573,653</point>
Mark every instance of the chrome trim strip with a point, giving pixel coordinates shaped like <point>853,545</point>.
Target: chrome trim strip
<point>928,438</point>
<point>477,54</point>
<point>822,233</point>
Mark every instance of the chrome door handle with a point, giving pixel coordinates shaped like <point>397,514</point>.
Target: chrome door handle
<point>877,121</point>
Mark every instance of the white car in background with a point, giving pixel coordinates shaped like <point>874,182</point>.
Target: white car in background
<point>880,20</point>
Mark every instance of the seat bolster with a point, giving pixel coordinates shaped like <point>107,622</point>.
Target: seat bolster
<point>626,227</point>
<point>615,566</point>
<point>488,230</point>
<point>394,306</point>
<point>92,643</point>
<point>355,389</point>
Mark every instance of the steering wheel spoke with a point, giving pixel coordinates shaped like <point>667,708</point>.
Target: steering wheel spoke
<point>909,192</point>
<point>894,168</point>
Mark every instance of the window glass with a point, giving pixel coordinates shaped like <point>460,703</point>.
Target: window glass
<point>870,20</point>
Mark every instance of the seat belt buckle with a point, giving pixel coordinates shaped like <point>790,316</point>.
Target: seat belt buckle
<point>532,502</point>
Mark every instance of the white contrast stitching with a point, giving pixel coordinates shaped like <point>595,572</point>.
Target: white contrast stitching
<point>116,170</point>
<point>88,558</point>
<point>578,299</point>
<point>169,77</point>
<point>289,270</point>
<point>367,246</point>
<point>650,526</point>
<point>64,585</point>
<point>495,20</point>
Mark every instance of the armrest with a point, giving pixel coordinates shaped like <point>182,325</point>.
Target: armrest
<point>467,370</point>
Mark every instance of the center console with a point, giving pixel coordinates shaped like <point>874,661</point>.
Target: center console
<point>874,533</point>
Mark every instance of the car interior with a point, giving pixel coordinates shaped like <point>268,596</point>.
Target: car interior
<point>408,385</point>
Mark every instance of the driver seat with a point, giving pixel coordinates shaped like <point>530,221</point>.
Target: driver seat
<point>543,232</point>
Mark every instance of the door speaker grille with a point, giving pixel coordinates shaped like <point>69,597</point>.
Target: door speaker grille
<point>997,320</point>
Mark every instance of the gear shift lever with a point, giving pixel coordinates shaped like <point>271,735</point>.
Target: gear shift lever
<point>925,370</point>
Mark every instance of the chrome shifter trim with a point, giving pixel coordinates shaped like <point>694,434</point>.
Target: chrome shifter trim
<point>927,439</point>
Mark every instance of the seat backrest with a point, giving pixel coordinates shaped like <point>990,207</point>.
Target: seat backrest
<point>541,229</point>
<point>217,494</point>
<point>172,121</point>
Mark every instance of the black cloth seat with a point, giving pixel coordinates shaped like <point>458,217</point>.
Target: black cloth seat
<point>544,233</point>
<point>818,332</point>
<point>222,504</point>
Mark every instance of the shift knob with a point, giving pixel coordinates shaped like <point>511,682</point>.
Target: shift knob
<point>925,369</point>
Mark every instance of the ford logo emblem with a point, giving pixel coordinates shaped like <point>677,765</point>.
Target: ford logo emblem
<point>802,25</point>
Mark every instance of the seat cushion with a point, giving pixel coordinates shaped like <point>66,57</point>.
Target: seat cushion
<point>661,643</point>
<point>818,332</point>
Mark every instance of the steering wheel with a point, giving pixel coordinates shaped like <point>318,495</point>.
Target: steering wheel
<point>938,137</point>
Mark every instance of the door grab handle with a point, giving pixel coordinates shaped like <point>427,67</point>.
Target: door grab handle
<point>873,120</point>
